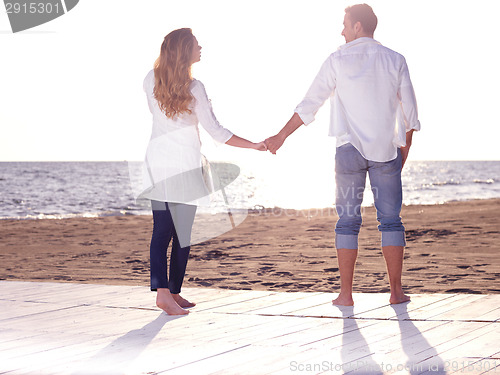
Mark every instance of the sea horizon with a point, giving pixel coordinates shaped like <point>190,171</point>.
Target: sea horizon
<point>65,189</point>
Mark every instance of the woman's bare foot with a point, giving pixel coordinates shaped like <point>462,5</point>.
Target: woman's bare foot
<point>182,302</point>
<point>343,300</point>
<point>166,302</point>
<point>399,297</point>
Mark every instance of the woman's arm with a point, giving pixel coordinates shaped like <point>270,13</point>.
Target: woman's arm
<point>243,143</point>
<point>206,116</point>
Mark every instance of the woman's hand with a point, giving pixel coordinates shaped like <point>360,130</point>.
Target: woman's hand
<point>261,146</point>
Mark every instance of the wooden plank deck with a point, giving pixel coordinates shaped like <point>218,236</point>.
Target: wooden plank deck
<point>62,328</point>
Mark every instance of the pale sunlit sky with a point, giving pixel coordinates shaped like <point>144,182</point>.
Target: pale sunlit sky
<point>71,89</point>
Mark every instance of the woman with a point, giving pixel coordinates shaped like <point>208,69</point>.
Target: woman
<point>175,176</point>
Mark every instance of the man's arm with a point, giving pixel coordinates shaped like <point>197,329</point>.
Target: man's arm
<point>322,87</point>
<point>405,150</point>
<point>409,108</point>
<point>274,143</point>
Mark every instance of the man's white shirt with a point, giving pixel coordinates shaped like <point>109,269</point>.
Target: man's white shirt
<point>372,99</point>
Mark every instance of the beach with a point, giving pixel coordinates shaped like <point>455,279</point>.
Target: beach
<point>451,248</point>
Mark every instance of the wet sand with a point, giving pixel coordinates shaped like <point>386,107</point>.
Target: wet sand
<point>451,248</point>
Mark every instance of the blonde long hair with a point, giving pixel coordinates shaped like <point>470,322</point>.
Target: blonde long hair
<point>172,72</point>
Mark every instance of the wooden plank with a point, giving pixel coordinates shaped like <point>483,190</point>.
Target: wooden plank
<point>489,310</point>
<point>404,310</point>
<point>379,332</point>
<point>496,365</point>
<point>434,310</point>
<point>232,299</point>
<point>311,330</point>
<point>363,303</point>
<point>117,328</point>
<point>478,343</point>
<point>145,298</point>
<point>294,304</point>
<point>397,351</point>
<point>79,296</point>
<point>428,350</point>
<point>120,344</point>
<point>55,292</point>
<point>256,306</point>
<point>312,361</point>
<point>272,361</point>
<point>492,315</point>
<point>469,311</point>
<point>11,289</point>
<point>16,309</point>
<point>261,362</point>
<point>160,360</point>
<point>269,330</point>
<point>53,361</point>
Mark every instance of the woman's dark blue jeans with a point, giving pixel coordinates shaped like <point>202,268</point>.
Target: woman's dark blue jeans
<point>171,221</point>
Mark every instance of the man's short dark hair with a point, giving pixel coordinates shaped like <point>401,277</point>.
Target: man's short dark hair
<point>364,14</point>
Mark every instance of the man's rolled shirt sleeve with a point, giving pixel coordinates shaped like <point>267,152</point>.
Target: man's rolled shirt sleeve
<point>408,101</point>
<point>321,89</point>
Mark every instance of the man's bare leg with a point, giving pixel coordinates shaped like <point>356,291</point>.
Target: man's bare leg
<point>166,302</point>
<point>347,260</point>
<point>182,302</point>
<point>393,256</point>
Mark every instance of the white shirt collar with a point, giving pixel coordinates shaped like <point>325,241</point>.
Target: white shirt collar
<point>361,40</point>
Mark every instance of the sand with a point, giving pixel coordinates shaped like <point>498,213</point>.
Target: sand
<point>452,248</point>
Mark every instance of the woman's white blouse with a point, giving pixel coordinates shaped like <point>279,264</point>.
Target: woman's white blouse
<point>174,169</point>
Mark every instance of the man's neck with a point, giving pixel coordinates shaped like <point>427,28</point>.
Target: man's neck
<point>363,36</point>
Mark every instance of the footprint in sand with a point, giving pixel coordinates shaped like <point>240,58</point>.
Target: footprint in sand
<point>331,269</point>
<point>214,254</point>
<point>266,268</point>
<point>418,269</point>
<point>283,285</point>
<point>283,273</point>
<point>304,285</point>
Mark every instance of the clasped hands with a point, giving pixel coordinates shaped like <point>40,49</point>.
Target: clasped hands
<point>271,144</point>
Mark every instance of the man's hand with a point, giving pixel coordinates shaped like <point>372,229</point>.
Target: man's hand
<point>404,153</point>
<point>261,146</point>
<point>274,143</point>
<point>406,150</point>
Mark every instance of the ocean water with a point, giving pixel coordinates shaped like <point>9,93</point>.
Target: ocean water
<point>66,189</point>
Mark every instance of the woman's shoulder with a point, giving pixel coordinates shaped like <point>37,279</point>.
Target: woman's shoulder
<point>198,88</point>
<point>149,80</point>
<point>196,85</point>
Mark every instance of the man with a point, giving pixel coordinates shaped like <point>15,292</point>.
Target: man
<point>373,116</point>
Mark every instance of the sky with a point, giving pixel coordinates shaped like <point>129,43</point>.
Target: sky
<point>71,89</point>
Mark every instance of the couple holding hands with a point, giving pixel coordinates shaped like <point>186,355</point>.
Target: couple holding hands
<point>373,116</point>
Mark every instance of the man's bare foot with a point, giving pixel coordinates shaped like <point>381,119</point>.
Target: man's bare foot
<point>342,300</point>
<point>166,302</point>
<point>182,302</point>
<point>398,298</point>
